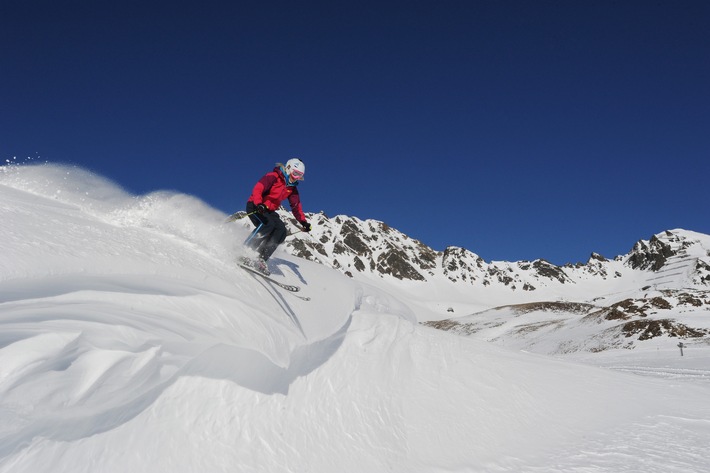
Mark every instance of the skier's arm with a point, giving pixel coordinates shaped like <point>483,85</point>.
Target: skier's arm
<point>296,208</point>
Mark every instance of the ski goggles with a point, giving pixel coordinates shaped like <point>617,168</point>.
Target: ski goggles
<point>296,175</point>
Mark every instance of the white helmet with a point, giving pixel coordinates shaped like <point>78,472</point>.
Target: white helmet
<point>295,169</point>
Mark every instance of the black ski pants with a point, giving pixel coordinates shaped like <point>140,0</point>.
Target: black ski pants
<point>271,232</point>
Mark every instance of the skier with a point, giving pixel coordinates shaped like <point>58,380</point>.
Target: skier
<point>269,191</point>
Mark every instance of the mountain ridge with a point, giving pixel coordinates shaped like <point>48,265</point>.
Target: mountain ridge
<point>352,246</point>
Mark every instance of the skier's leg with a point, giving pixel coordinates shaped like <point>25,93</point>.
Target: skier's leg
<point>276,237</point>
<point>263,227</point>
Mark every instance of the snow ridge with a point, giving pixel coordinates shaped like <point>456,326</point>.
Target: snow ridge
<point>130,341</point>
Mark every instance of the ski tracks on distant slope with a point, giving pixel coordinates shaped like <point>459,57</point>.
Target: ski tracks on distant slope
<point>682,374</point>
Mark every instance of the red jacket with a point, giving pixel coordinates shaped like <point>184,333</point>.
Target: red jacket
<point>271,190</point>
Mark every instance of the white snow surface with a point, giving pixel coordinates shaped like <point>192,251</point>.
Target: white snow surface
<point>130,341</point>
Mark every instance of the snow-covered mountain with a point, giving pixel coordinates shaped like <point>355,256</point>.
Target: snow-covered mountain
<point>661,288</point>
<point>130,341</point>
<point>677,258</point>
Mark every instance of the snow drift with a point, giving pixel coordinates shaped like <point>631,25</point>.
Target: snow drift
<point>130,341</point>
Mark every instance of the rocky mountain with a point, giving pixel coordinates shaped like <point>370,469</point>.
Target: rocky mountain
<point>555,328</point>
<point>660,288</point>
<point>354,246</point>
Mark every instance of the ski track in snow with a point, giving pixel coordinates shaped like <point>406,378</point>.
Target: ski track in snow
<point>129,341</point>
<point>667,373</point>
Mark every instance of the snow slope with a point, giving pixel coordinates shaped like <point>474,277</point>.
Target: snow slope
<point>129,341</point>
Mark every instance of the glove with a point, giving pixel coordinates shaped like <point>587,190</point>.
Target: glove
<point>261,208</point>
<point>306,226</point>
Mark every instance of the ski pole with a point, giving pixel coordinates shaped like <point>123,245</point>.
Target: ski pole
<point>300,230</point>
<point>238,216</point>
<point>253,234</point>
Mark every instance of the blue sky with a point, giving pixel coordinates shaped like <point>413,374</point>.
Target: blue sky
<point>516,129</point>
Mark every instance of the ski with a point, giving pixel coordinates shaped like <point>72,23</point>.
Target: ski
<point>303,298</point>
<point>288,287</point>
